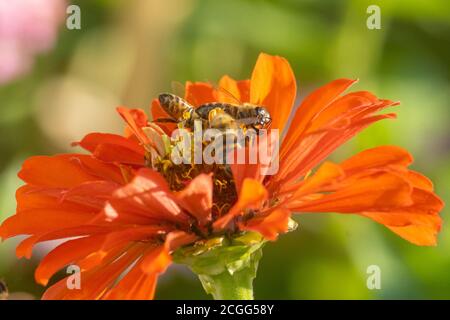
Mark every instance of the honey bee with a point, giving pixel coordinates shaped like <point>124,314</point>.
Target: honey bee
<point>234,115</point>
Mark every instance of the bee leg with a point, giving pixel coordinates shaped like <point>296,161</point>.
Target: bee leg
<point>165,120</point>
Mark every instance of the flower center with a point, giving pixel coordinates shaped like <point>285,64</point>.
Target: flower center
<point>179,175</point>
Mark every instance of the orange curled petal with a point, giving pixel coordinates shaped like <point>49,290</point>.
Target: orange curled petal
<point>311,106</point>
<point>269,225</point>
<point>177,238</point>
<point>251,196</point>
<point>339,108</point>
<point>147,195</point>
<point>314,147</point>
<point>136,119</point>
<point>197,198</point>
<point>273,85</point>
<point>377,157</point>
<point>65,254</point>
<point>418,180</point>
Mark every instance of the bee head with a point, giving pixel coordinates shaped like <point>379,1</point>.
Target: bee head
<point>263,116</point>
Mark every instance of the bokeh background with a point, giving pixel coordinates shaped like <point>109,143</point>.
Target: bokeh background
<point>68,83</point>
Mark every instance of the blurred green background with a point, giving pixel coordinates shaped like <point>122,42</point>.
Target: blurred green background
<point>128,51</point>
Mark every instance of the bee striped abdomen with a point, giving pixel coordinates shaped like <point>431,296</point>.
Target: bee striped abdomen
<point>175,106</point>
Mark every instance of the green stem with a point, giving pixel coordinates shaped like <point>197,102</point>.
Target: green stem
<point>224,286</point>
<point>226,267</point>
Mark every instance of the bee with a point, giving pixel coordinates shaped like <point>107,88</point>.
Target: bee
<point>217,115</point>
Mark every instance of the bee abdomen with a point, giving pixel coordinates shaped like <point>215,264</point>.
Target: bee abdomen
<point>175,106</point>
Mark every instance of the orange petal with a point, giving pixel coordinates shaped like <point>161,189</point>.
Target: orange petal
<point>100,169</point>
<point>147,195</point>
<point>35,221</point>
<point>198,93</point>
<point>77,168</point>
<point>118,154</point>
<point>196,198</point>
<point>136,119</point>
<point>418,180</point>
<point>311,106</point>
<point>314,147</point>
<point>91,141</point>
<point>266,150</point>
<point>135,285</point>
<point>156,261</point>
<point>365,194</point>
<point>113,148</point>
<point>377,157</point>
<point>421,235</point>
<point>326,174</point>
<point>239,89</point>
<point>244,90</point>
<point>159,113</point>
<point>65,254</point>
<point>36,197</point>
<point>273,86</point>
<point>269,225</point>
<point>24,249</point>
<point>251,196</point>
<point>93,194</point>
<point>376,184</point>
<point>95,281</point>
<point>46,171</point>
<point>177,238</point>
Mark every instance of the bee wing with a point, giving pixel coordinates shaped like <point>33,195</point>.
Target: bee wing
<point>179,89</point>
<point>226,96</point>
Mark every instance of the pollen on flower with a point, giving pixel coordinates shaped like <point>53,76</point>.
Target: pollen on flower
<point>179,175</point>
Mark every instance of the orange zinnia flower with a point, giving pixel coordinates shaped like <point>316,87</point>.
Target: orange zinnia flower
<point>125,221</point>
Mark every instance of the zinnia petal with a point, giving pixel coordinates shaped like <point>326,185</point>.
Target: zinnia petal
<point>271,224</point>
<point>197,198</point>
<point>251,196</point>
<point>273,86</point>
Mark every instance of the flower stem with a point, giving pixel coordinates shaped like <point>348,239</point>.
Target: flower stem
<point>225,267</point>
<point>224,286</point>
